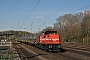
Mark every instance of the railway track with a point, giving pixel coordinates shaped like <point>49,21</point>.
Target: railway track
<point>79,49</point>
<point>24,53</point>
<point>71,56</point>
<point>82,52</point>
<point>32,53</point>
<point>42,55</point>
<point>22,56</point>
<point>67,56</point>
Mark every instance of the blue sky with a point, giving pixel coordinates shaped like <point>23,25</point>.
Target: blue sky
<point>17,13</point>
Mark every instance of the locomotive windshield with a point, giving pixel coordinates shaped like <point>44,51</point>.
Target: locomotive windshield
<point>51,32</point>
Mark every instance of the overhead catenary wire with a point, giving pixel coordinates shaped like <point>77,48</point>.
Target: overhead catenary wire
<point>48,16</point>
<point>26,12</point>
<point>29,14</point>
<point>74,11</point>
<point>61,8</point>
<point>71,12</point>
<point>80,9</point>
<point>57,12</point>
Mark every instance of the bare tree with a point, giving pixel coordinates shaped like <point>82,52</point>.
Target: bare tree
<point>68,26</point>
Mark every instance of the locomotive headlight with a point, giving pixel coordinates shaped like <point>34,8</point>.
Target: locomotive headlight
<point>50,46</point>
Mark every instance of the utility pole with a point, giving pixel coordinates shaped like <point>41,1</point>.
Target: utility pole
<point>31,30</point>
<point>31,27</point>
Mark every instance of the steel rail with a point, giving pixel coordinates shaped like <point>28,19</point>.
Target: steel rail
<point>22,54</point>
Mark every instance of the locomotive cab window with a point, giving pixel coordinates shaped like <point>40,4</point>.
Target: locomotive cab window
<point>51,32</point>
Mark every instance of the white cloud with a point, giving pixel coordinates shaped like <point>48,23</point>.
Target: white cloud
<point>39,17</point>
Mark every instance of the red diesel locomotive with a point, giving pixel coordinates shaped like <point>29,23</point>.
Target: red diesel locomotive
<point>49,41</point>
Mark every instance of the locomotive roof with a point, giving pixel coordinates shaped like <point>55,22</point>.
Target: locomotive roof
<point>50,30</point>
